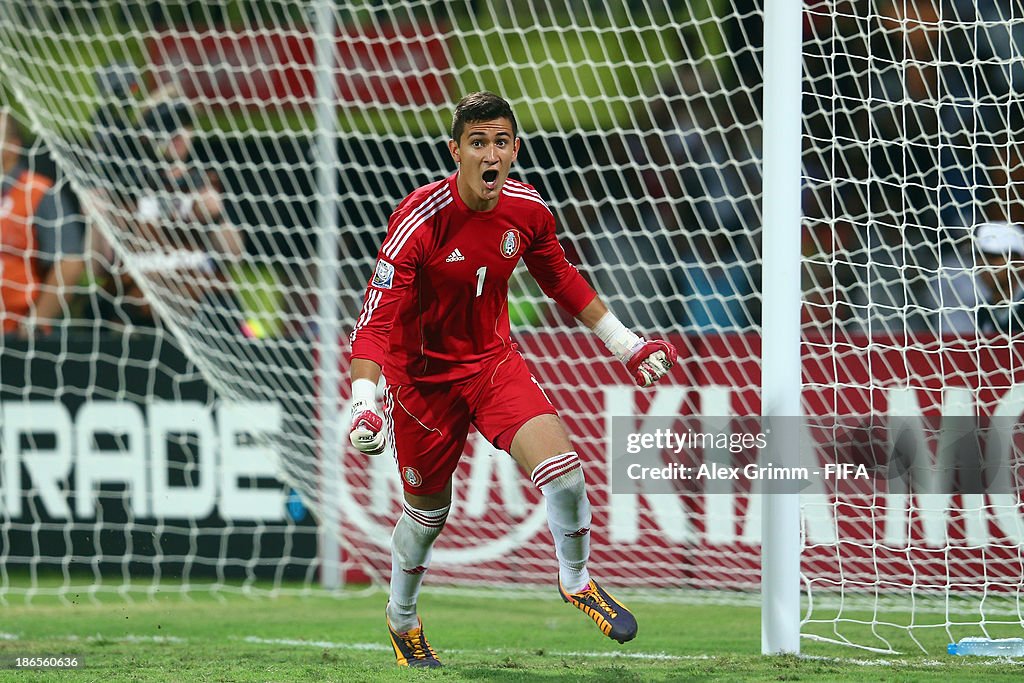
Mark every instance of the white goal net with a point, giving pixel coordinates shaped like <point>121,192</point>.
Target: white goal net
<point>912,135</point>
<point>232,166</point>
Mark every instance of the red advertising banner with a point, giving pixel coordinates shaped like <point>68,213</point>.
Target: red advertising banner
<point>863,536</point>
<point>391,65</point>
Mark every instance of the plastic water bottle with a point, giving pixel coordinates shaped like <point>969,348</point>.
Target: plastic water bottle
<point>988,647</point>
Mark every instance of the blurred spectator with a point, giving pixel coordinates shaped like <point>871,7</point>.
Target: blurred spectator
<point>634,262</point>
<point>979,287</point>
<point>827,276</point>
<point>1004,196</point>
<point>717,286</point>
<point>696,156</point>
<point>40,252</point>
<point>119,88</point>
<point>999,41</point>
<point>899,117</point>
<point>171,212</point>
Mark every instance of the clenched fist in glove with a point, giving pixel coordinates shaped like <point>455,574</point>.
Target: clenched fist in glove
<point>367,429</point>
<point>647,361</point>
<point>650,361</point>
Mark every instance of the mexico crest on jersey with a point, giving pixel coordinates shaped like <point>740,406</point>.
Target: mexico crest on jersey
<point>412,476</point>
<point>384,275</point>
<point>510,243</point>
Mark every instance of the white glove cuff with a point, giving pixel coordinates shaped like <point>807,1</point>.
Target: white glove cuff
<point>365,391</point>
<point>619,340</point>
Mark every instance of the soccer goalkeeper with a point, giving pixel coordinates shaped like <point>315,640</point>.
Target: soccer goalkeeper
<point>435,319</point>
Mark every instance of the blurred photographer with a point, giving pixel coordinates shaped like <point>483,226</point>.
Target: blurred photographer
<point>980,286</point>
<point>183,203</point>
<point>182,243</point>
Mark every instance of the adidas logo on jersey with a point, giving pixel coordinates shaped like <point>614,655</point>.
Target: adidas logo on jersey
<point>455,256</point>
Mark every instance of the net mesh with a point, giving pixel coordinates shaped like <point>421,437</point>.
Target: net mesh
<point>641,128</point>
<point>912,125</point>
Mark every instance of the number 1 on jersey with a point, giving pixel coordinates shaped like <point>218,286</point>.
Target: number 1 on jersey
<point>481,272</point>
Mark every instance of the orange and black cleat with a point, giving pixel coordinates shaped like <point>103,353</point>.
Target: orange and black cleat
<point>611,616</point>
<point>412,648</point>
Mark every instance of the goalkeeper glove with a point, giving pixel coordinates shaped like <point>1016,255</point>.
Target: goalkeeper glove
<point>647,361</point>
<point>650,361</point>
<point>367,429</point>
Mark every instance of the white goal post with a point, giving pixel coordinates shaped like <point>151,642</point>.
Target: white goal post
<point>780,323</point>
<point>810,199</point>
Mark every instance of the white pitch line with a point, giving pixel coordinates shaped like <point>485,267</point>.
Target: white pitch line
<point>983,661</point>
<point>376,647</point>
<point>497,651</point>
<point>650,656</point>
<point>379,647</point>
<point>99,638</point>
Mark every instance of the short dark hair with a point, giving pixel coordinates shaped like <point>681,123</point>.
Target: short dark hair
<point>481,106</point>
<point>169,116</point>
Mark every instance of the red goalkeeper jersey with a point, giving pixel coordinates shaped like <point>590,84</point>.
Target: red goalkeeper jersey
<point>436,307</point>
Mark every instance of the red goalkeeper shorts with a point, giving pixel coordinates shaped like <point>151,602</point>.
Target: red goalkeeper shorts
<point>430,423</point>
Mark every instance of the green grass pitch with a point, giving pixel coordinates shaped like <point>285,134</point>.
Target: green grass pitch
<point>494,637</point>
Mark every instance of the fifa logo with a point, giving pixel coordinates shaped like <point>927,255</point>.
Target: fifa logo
<point>384,275</point>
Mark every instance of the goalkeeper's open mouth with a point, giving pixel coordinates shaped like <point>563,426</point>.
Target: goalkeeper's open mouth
<point>491,178</point>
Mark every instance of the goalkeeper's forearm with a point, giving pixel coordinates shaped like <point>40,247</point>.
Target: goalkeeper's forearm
<point>367,428</point>
<point>365,375</point>
<point>364,369</point>
<point>647,360</point>
<point>592,312</point>
<point>619,339</point>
